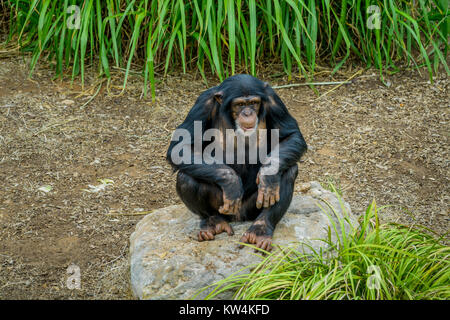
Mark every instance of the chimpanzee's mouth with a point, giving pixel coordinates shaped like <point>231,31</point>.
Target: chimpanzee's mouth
<point>247,130</point>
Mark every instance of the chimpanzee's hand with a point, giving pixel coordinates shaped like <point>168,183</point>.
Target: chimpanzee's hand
<point>233,192</point>
<point>230,205</point>
<point>268,190</point>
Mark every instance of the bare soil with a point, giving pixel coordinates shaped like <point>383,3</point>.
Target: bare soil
<point>373,141</point>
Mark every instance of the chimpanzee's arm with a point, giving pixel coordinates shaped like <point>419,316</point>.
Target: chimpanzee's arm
<point>290,148</point>
<point>220,174</point>
<point>292,145</point>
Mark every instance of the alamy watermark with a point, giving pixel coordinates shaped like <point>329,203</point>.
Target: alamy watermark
<point>240,148</point>
<point>74,279</point>
<point>74,19</point>
<point>373,282</point>
<point>374,19</point>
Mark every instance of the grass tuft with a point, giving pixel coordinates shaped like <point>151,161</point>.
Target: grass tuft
<point>373,261</point>
<point>225,36</point>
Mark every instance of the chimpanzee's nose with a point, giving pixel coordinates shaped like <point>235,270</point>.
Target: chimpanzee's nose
<point>247,112</point>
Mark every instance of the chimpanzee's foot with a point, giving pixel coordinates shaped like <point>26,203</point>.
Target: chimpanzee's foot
<point>258,234</point>
<point>213,225</point>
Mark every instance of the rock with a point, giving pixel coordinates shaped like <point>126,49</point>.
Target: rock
<point>167,262</point>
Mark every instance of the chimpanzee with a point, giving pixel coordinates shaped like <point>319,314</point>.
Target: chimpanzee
<point>222,191</point>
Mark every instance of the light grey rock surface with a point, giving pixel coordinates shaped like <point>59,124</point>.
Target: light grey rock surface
<point>167,262</point>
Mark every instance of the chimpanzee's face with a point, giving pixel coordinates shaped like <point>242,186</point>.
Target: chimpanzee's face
<point>244,111</point>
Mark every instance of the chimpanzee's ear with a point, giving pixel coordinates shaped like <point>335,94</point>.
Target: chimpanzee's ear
<point>218,96</point>
<point>270,96</point>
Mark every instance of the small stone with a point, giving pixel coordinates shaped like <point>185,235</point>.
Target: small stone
<point>304,187</point>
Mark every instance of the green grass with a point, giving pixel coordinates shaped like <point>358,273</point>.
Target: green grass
<point>373,261</point>
<point>223,37</point>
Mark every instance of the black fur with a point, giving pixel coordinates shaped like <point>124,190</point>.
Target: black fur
<point>200,186</point>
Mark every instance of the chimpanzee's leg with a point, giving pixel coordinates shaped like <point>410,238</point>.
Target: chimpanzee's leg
<point>204,199</point>
<point>261,231</point>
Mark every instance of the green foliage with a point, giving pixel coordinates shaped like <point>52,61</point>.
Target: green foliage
<point>221,36</point>
<point>370,261</point>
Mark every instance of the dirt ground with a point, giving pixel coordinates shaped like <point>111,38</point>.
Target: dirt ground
<point>374,141</point>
